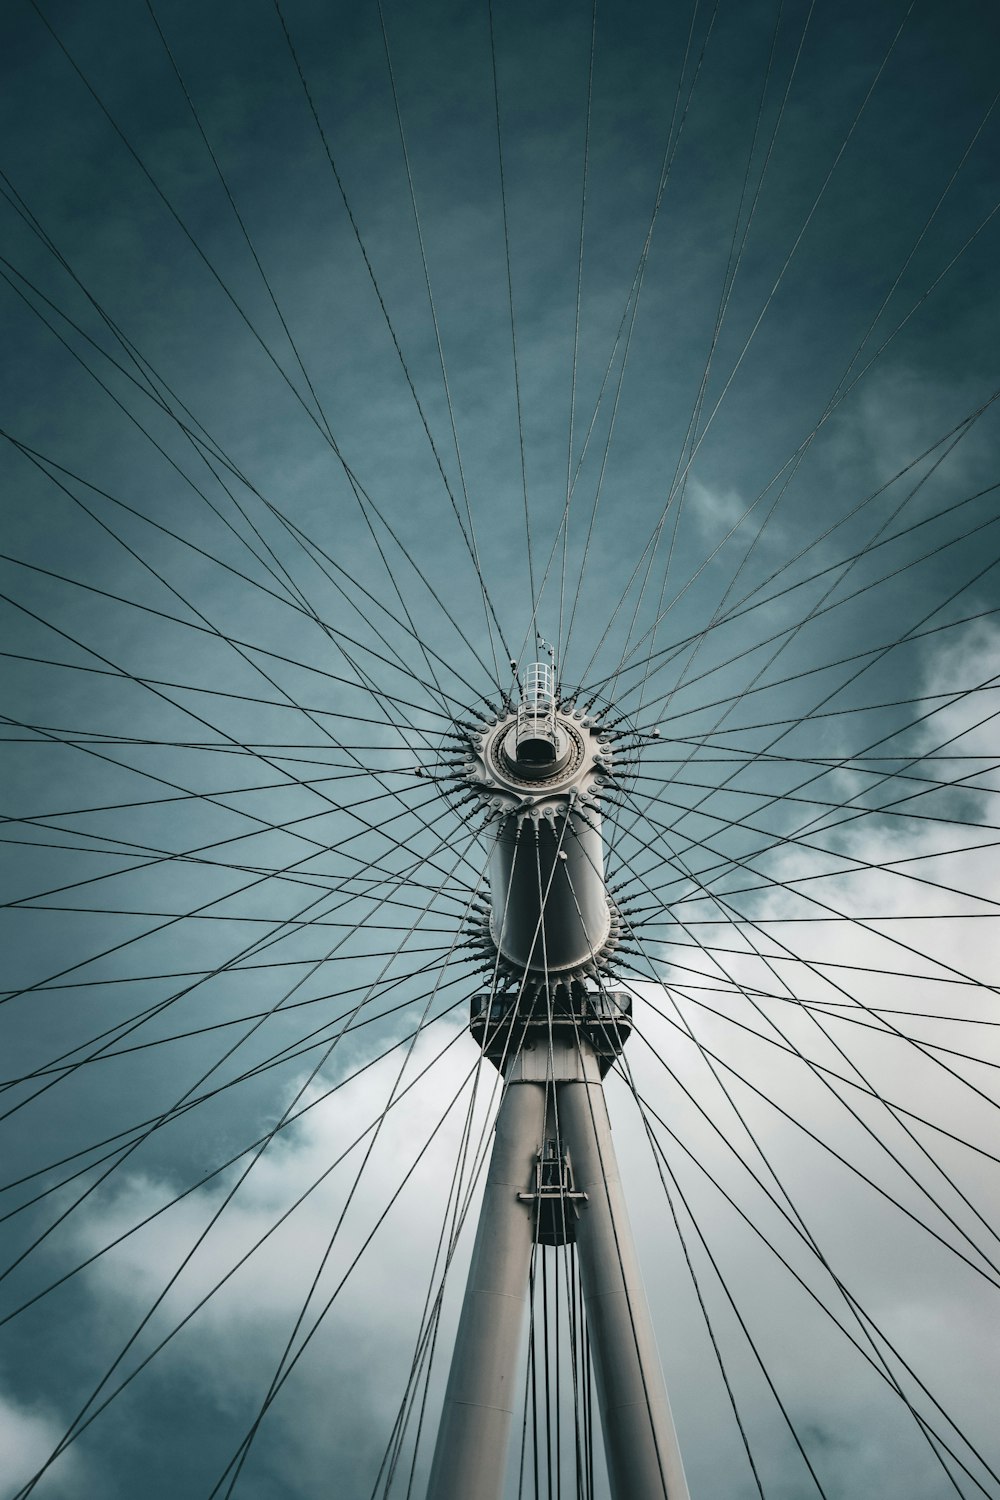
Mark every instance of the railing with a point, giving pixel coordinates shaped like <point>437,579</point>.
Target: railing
<point>536,715</point>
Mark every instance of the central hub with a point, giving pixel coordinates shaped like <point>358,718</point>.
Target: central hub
<point>525,773</point>
<point>540,769</point>
<point>534,756</point>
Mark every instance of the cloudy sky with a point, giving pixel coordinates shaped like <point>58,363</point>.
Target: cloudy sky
<point>346,349</point>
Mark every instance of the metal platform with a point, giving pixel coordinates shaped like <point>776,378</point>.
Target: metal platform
<point>517,1021</point>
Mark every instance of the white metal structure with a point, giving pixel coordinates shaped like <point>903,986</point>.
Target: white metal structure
<point>550,923</point>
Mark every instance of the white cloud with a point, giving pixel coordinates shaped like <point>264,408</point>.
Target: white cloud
<point>363,1348</point>
<point>28,1435</point>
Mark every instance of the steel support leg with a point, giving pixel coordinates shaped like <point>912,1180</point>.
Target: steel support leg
<point>472,1441</point>
<point>643,1457</point>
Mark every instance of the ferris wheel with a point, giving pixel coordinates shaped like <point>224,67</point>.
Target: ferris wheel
<point>500,591</point>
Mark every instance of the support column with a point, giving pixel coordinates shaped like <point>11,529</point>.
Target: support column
<point>643,1457</point>
<point>471,1450</point>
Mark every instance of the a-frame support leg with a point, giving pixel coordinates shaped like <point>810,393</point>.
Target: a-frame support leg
<point>640,1443</point>
<point>555,1090</point>
<point>471,1450</point>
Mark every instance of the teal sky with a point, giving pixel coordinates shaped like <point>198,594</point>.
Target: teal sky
<point>309,430</point>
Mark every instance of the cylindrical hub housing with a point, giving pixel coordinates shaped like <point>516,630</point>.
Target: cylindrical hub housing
<point>550,915</point>
<point>550,910</point>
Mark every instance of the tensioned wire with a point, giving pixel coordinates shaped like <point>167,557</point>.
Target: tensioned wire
<point>854,1306</point>
<point>421,857</point>
<point>839,395</point>
<point>857,764</point>
<point>576,328</point>
<point>436,693</point>
<point>427,1336</point>
<point>425,1349</point>
<point>663,1165</point>
<point>678,485</point>
<point>364,500</point>
<point>844,564</point>
<point>696,446</point>
<point>42,822</point>
<point>150,384</point>
<point>388,322</point>
<point>720,986</point>
<point>742,608</point>
<point>318,724</point>
<point>429,1318</point>
<point>743,924</point>
<point>796,835</point>
<point>762,958</point>
<point>900,806</point>
<point>738,921</point>
<point>743,990</point>
<point>864,1330</point>
<point>887,810</point>
<point>532,594</point>
<point>741,764</point>
<point>789,633</point>
<point>422,1361</point>
<point>240,646</point>
<point>488,610</point>
<point>616,1228</point>
<point>413,951</point>
<point>298,1114</point>
<point>286,1360</point>
<point>184,709</point>
<point>706,740</point>
<point>215,692</point>
<point>706,1053</point>
<point>291,1052</point>
<point>208,456</point>
<point>165,856</point>
<point>980,572</point>
<point>280,926</point>
<point>627,325</point>
<point>713,1058</point>
<point>846,384</point>
<point>233,1269</point>
<point>631,301</point>
<point>725,1137</point>
<point>649,1108</point>
<point>238,216</point>
<point>538,936</point>
<point>79,1421</point>
<point>358,491</point>
<point>296,1356</point>
<point>122,1029</point>
<point>790,463</point>
<point>186,1095</point>
<point>706,1317</point>
<point>849,863</point>
<point>423,1354</point>
<point>142,382</point>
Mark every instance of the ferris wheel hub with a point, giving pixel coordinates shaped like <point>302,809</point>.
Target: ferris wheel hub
<point>539,770</point>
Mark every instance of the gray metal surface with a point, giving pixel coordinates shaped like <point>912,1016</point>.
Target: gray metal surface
<point>643,1457</point>
<point>550,905</point>
<point>472,1440</point>
<point>550,913</point>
